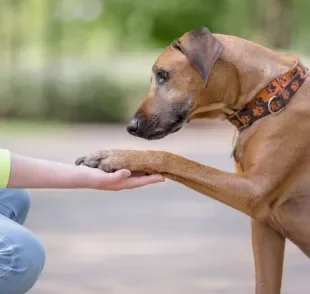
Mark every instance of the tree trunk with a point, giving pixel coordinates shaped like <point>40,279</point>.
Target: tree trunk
<point>278,23</point>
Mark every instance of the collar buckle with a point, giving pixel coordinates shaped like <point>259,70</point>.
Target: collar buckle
<point>269,108</point>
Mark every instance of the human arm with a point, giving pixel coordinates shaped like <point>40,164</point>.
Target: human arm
<point>17,171</point>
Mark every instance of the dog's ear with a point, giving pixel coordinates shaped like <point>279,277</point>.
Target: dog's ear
<point>201,48</point>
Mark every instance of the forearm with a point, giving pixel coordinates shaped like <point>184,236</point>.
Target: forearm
<point>26,172</point>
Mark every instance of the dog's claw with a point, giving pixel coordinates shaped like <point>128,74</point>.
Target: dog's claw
<point>80,160</point>
<point>96,160</point>
<point>88,161</point>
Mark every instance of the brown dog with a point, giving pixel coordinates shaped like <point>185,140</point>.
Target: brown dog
<point>204,75</point>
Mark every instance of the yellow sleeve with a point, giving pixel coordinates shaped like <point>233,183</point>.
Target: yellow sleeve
<point>5,167</point>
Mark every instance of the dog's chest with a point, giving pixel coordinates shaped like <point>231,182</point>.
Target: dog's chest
<point>239,146</point>
<point>238,153</point>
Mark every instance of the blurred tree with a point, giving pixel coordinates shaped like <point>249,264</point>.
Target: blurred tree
<point>55,54</point>
<point>256,20</point>
<point>278,27</point>
<point>52,44</point>
<point>157,23</point>
<point>15,44</point>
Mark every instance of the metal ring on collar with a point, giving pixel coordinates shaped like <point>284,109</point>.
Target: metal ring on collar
<point>271,111</point>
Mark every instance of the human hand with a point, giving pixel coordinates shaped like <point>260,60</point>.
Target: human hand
<point>120,180</point>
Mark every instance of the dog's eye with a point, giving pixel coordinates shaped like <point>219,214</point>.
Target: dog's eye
<point>162,77</point>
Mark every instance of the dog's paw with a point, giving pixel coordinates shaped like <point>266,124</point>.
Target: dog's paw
<point>133,160</point>
<point>106,160</point>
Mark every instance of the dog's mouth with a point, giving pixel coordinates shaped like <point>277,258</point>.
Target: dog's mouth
<point>160,133</point>
<point>153,132</point>
<point>157,127</point>
<point>176,128</point>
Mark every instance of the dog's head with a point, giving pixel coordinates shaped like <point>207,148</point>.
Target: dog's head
<point>188,81</point>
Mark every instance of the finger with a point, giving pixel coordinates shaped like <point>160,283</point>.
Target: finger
<point>136,182</point>
<point>118,176</point>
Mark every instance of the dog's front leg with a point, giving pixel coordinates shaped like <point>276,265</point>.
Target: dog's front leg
<point>238,191</point>
<point>268,248</point>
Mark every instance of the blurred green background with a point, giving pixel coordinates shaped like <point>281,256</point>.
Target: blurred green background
<point>90,60</point>
<point>64,62</point>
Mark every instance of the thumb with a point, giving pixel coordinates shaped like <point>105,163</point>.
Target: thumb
<point>119,175</point>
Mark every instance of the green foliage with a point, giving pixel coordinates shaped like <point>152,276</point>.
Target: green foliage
<point>39,37</point>
<point>300,25</point>
<point>90,98</point>
<point>156,23</point>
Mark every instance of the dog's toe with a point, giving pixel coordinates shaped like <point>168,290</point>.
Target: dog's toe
<point>92,162</point>
<point>80,160</point>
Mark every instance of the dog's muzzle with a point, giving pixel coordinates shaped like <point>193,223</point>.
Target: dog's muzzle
<point>154,129</point>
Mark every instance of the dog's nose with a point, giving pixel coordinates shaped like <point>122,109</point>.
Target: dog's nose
<point>133,126</point>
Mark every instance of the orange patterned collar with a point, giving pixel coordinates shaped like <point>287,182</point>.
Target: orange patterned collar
<point>272,99</point>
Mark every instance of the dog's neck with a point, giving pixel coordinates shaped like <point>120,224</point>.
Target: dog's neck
<point>255,64</point>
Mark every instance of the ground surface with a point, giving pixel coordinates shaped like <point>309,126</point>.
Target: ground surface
<point>160,239</point>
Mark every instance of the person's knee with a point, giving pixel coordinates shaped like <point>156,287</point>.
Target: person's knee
<point>21,202</point>
<point>22,258</point>
<point>15,204</point>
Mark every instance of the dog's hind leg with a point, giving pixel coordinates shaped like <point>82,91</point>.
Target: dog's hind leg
<point>268,249</point>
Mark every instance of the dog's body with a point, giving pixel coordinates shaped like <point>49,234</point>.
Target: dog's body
<point>211,76</point>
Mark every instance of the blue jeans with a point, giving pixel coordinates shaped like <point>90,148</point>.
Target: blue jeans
<point>22,256</point>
